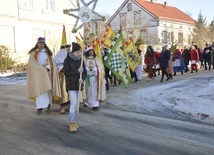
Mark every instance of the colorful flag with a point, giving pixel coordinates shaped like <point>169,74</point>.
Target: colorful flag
<point>117,61</point>
<point>64,38</point>
<point>80,42</point>
<point>96,47</point>
<point>108,36</point>
<point>132,54</point>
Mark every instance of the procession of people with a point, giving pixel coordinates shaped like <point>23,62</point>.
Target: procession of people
<point>75,75</point>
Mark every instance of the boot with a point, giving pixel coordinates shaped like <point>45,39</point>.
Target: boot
<point>62,110</point>
<point>161,80</point>
<point>72,127</point>
<point>76,125</point>
<point>39,111</point>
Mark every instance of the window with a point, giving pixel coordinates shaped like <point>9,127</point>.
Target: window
<point>180,37</point>
<point>137,18</point>
<point>189,39</point>
<point>129,7</point>
<point>26,3</point>
<point>123,20</point>
<point>171,37</point>
<point>49,5</point>
<point>164,36</point>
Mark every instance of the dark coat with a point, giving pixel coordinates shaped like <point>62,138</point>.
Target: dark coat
<point>164,58</point>
<point>186,56</point>
<point>207,53</point>
<point>72,75</point>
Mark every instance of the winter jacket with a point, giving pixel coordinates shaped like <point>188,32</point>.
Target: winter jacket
<point>164,58</point>
<point>150,58</point>
<point>177,54</point>
<point>71,65</point>
<point>207,53</point>
<point>194,55</point>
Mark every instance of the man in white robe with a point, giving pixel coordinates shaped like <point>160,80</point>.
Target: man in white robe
<point>42,76</point>
<point>59,59</point>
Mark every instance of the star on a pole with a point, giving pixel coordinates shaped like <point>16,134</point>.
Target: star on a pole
<point>84,14</point>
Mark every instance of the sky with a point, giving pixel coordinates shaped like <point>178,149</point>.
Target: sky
<point>195,100</point>
<point>192,7</point>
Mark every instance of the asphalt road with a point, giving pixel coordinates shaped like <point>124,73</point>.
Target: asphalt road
<point>109,131</point>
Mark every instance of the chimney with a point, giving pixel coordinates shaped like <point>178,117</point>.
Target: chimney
<point>154,1</point>
<point>165,3</point>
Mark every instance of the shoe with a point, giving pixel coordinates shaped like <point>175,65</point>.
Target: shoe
<point>72,127</point>
<point>161,81</point>
<point>85,105</point>
<point>167,79</point>
<point>191,71</point>
<point>95,108</point>
<point>182,73</point>
<point>48,108</point>
<point>149,79</point>
<point>39,111</point>
<point>76,125</point>
<point>62,110</point>
<point>135,80</point>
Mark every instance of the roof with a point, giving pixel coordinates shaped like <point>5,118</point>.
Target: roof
<point>158,11</point>
<point>162,11</point>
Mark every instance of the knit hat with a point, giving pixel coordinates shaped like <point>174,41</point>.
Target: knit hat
<point>75,47</point>
<point>41,40</point>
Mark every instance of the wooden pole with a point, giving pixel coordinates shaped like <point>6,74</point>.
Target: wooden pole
<point>82,54</point>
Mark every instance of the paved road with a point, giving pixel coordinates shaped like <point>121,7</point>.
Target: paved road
<point>109,131</point>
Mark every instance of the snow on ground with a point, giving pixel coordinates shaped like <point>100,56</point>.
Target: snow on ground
<point>195,100</point>
<point>11,78</point>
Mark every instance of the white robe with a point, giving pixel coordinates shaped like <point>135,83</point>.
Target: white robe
<point>139,69</point>
<point>92,90</point>
<point>60,57</point>
<point>45,99</point>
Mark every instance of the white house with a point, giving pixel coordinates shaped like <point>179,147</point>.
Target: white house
<point>23,21</point>
<point>155,23</point>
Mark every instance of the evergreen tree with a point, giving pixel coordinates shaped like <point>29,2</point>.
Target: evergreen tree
<point>211,31</point>
<point>200,36</point>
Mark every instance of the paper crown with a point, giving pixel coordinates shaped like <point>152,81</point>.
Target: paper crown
<point>89,48</point>
<point>75,47</point>
<point>41,40</point>
<point>65,46</point>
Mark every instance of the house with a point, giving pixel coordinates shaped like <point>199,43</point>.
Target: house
<point>155,23</point>
<point>23,21</point>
